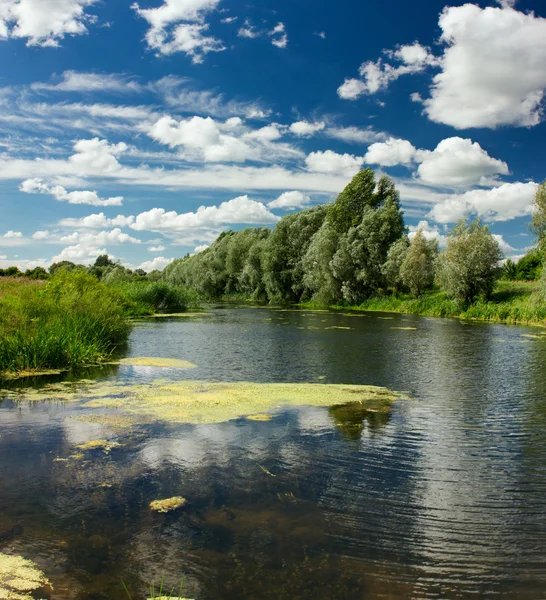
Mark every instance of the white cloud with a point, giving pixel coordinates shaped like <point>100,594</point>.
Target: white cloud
<point>12,234</point>
<point>169,31</point>
<point>97,155</point>
<point>504,245</point>
<point>430,232</point>
<point>269,133</point>
<point>241,210</point>
<point>37,186</point>
<point>503,203</point>
<point>355,135</point>
<point>376,76</point>
<point>459,162</point>
<point>157,249</point>
<point>248,31</point>
<point>304,128</point>
<point>158,263</point>
<point>97,221</point>
<point>115,236</point>
<point>351,89</point>
<point>320,34</point>
<point>289,200</point>
<point>200,248</point>
<point>74,81</point>
<point>279,35</point>
<point>455,162</point>
<point>493,68</point>
<point>79,253</point>
<point>333,163</point>
<point>40,235</point>
<point>228,20</point>
<point>44,22</point>
<point>390,153</point>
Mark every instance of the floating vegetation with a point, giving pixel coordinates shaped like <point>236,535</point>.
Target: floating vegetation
<point>386,318</point>
<point>167,505</point>
<point>534,336</point>
<point>29,373</point>
<point>405,328</point>
<point>19,577</point>
<point>146,361</point>
<point>103,445</point>
<point>186,315</point>
<point>339,327</point>
<point>266,471</point>
<point>261,417</point>
<point>200,402</point>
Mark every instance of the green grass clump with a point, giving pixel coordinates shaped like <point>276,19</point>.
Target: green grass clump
<point>510,302</point>
<point>72,320</point>
<point>149,297</point>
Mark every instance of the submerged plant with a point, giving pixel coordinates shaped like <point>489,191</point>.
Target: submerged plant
<point>167,505</point>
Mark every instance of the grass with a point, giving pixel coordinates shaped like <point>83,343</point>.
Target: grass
<point>511,302</point>
<point>160,594</point>
<point>147,298</point>
<point>72,320</point>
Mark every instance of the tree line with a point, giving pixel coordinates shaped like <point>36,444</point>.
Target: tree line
<point>346,252</point>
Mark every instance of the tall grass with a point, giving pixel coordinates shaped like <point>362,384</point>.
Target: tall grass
<point>147,297</point>
<point>510,302</point>
<point>72,320</point>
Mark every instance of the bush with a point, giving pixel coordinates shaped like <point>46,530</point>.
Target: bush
<point>145,297</point>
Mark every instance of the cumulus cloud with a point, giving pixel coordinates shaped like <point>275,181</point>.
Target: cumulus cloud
<point>355,135</point>
<point>97,221</point>
<point>334,163</point>
<point>248,31</point>
<point>79,253</point>
<point>40,235</point>
<point>504,245</point>
<point>376,76</point>
<point>502,85</point>
<point>178,26</point>
<point>200,248</point>
<point>502,203</point>
<point>290,200</point>
<point>37,186</point>
<point>44,22</point>
<point>241,210</point>
<point>430,232</point>
<point>115,236</point>
<point>158,263</point>
<point>97,155</point>
<point>208,140</point>
<point>75,81</point>
<point>12,234</point>
<point>156,249</point>
<point>390,153</point>
<point>455,162</point>
<point>304,128</point>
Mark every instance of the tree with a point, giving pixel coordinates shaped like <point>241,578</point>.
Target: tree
<point>468,267</point>
<point>417,270</point>
<point>391,268</point>
<point>103,261</point>
<point>63,264</point>
<point>347,210</point>
<point>538,225</point>
<point>319,278</point>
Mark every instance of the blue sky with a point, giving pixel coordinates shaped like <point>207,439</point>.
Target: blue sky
<point>144,130</point>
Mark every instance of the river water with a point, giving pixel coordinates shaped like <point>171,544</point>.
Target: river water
<point>443,498</point>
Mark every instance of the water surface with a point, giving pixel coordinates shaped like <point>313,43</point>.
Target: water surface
<point>443,498</point>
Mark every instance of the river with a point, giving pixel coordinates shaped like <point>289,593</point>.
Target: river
<point>445,497</point>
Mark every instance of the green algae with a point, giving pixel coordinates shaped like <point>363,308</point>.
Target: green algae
<point>186,315</point>
<point>262,417</point>
<point>200,402</point>
<point>103,445</point>
<point>339,327</point>
<point>167,505</point>
<point>148,361</point>
<point>19,577</point>
<point>405,328</point>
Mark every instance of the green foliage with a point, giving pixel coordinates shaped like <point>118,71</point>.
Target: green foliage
<point>103,261</point>
<point>538,225</point>
<point>70,321</point>
<point>64,264</point>
<point>347,210</point>
<point>10,272</point>
<point>391,268</point>
<point>417,269</point>
<point>527,268</point>
<point>468,267</point>
<point>284,253</point>
<point>319,278</point>
<point>149,297</point>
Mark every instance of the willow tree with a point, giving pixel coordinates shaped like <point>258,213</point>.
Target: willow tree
<point>417,269</point>
<point>538,225</point>
<point>468,267</point>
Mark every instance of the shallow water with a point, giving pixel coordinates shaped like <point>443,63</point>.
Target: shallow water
<point>443,498</point>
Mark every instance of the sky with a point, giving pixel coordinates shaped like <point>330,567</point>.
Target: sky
<point>143,130</point>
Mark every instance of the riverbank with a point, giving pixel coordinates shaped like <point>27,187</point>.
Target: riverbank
<point>74,320</point>
<point>511,302</point>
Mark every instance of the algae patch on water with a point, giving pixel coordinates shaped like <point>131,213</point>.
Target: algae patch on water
<point>146,361</point>
<point>200,402</point>
<point>167,505</point>
<point>19,577</point>
<point>103,445</point>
